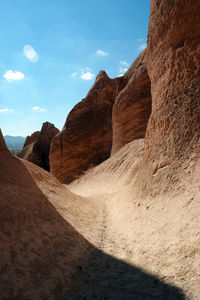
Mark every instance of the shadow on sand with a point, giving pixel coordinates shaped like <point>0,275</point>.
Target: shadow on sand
<point>43,257</point>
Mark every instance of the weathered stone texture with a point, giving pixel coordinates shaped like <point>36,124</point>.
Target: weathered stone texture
<point>132,106</point>
<point>172,58</point>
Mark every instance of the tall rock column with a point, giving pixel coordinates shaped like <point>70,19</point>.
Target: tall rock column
<point>132,106</point>
<point>37,146</point>
<point>41,147</point>
<point>173,64</point>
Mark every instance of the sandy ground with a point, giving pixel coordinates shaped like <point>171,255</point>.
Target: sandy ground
<point>161,235</point>
<point>96,238</point>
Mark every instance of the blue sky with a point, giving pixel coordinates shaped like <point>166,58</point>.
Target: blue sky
<point>52,50</point>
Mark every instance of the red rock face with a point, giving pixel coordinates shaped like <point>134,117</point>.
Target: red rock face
<point>31,139</point>
<point>86,138</point>
<point>3,147</point>
<point>132,106</point>
<point>37,151</point>
<point>173,56</point>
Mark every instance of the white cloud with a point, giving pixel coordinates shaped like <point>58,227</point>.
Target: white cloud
<point>31,54</point>
<point>123,67</point>
<point>142,46</point>
<point>6,110</point>
<point>123,70</point>
<point>101,53</point>
<point>74,74</point>
<point>38,108</point>
<point>13,75</point>
<point>87,74</point>
<point>123,63</point>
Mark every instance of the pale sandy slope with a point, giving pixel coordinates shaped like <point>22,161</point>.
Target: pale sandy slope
<point>158,234</point>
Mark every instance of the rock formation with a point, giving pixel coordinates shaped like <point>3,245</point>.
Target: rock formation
<point>40,250</point>
<point>31,139</point>
<point>86,138</point>
<point>38,146</point>
<point>172,58</point>
<point>3,147</point>
<point>94,125</point>
<point>98,238</point>
<point>132,106</point>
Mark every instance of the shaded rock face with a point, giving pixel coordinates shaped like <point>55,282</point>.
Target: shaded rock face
<point>41,147</point>
<point>132,106</point>
<point>37,151</point>
<point>3,147</point>
<point>38,246</point>
<point>86,138</point>
<point>172,57</point>
<point>31,139</point>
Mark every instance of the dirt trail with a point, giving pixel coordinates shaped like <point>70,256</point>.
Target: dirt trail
<point>103,231</point>
<point>109,276</point>
<point>108,186</point>
<point>147,233</point>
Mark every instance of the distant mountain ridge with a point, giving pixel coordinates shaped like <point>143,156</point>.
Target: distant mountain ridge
<point>14,141</point>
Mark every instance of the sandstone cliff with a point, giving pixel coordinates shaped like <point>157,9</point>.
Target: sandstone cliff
<point>31,139</point>
<point>115,112</point>
<point>86,138</point>
<point>132,106</point>
<point>172,59</point>
<point>37,147</point>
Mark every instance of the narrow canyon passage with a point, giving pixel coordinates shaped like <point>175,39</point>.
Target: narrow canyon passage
<point>109,187</point>
<point>119,235</point>
<point>95,238</point>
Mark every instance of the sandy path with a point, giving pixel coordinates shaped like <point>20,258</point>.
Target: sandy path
<point>109,186</point>
<point>108,276</point>
<point>157,234</point>
<point>119,236</point>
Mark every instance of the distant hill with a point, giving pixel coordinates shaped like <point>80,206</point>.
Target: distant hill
<point>14,141</point>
